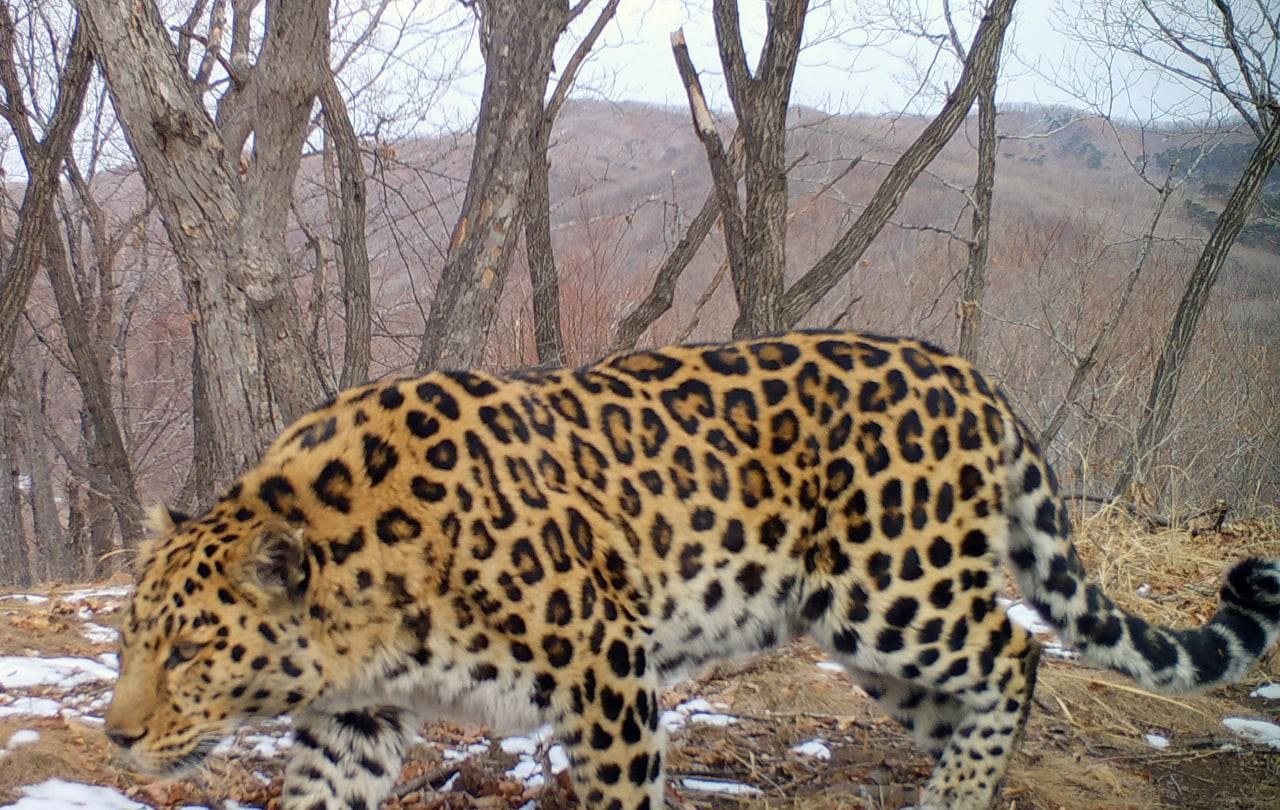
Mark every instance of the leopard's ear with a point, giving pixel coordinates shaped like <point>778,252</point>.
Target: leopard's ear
<point>276,564</point>
<point>159,522</point>
<point>162,521</point>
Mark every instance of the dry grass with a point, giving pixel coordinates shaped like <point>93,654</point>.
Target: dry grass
<point>1084,747</point>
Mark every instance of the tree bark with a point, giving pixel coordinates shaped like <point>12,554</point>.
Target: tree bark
<point>1169,368</point>
<point>760,103</point>
<point>43,159</point>
<point>974,286</point>
<point>15,559</point>
<point>979,68</point>
<point>51,560</point>
<point>544,278</point>
<point>353,255</point>
<point>548,333</point>
<point>227,234</point>
<point>518,41</point>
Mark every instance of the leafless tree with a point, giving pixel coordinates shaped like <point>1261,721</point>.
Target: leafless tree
<point>226,217</point>
<point>980,65</point>
<point>661,293</point>
<point>349,208</point>
<point>47,548</point>
<point>974,284</point>
<point>15,558</point>
<point>548,332</point>
<point>1221,52</point>
<point>517,40</point>
<point>756,288</point>
<point>42,156</point>
<point>760,102</point>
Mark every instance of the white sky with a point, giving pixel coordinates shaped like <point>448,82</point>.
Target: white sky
<point>851,62</point>
<point>847,65</point>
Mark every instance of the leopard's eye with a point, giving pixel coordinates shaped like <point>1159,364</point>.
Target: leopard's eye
<point>182,652</point>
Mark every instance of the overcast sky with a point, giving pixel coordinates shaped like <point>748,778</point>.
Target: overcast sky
<point>851,62</point>
<point>848,65</point>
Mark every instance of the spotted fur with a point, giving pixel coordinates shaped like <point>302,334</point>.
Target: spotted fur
<point>554,546</point>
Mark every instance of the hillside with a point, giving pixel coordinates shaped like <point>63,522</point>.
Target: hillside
<point>627,178</point>
<point>1069,214</point>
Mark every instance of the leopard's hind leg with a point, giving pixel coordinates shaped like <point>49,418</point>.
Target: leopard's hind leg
<point>977,753</point>
<point>967,707</point>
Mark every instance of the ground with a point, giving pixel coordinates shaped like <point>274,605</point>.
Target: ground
<point>787,730</point>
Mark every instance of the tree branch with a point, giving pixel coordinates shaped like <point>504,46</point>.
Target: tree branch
<point>978,69</point>
<point>722,176</point>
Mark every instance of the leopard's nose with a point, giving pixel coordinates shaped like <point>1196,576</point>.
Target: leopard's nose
<point>123,738</point>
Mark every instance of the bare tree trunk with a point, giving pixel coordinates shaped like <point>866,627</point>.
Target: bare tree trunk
<point>42,158</point>
<point>544,279</point>
<point>77,532</point>
<point>99,512</point>
<point>46,527</point>
<point>979,68</point>
<point>353,255</point>
<point>1083,365</point>
<point>724,181</point>
<point>1169,368</point>
<point>975,275</point>
<point>15,559</point>
<point>760,102</point>
<point>204,464</point>
<point>518,41</point>
<point>228,234</point>
<point>548,334</point>
<point>94,380</point>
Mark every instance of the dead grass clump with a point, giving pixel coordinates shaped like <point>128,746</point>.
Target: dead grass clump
<point>64,751</point>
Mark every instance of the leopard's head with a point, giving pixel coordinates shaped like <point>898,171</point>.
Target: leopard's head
<point>215,632</point>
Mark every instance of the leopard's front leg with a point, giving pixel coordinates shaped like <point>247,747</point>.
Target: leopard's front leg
<point>346,760</point>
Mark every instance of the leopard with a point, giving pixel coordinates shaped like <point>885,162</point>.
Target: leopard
<point>555,546</point>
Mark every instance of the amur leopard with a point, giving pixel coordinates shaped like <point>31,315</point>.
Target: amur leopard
<point>555,546</point>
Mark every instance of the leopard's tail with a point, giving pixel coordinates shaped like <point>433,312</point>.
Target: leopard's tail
<point>1162,659</point>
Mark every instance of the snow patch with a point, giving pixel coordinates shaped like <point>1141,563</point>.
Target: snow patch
<point>813,748</point>
<point>529,769</point>
<point>1029,619</point>
<point>97,634</point>
<point>31,706</point>
<point>24,736</point>
<point>1157,740</point>
<point>697,711</point>
<point>1269,691</point>
<point>21,672</point>
<point>24,597</point>
<point>1024,616</point>
<point>712,719</point>
<point>559,758</point>
<point>717,786</point>
<point>56,794</point>
<point>116,592</point>
<point>831,666</point>
<point>1259,731</point>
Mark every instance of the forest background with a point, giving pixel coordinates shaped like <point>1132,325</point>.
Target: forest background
<point>217,213</point>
